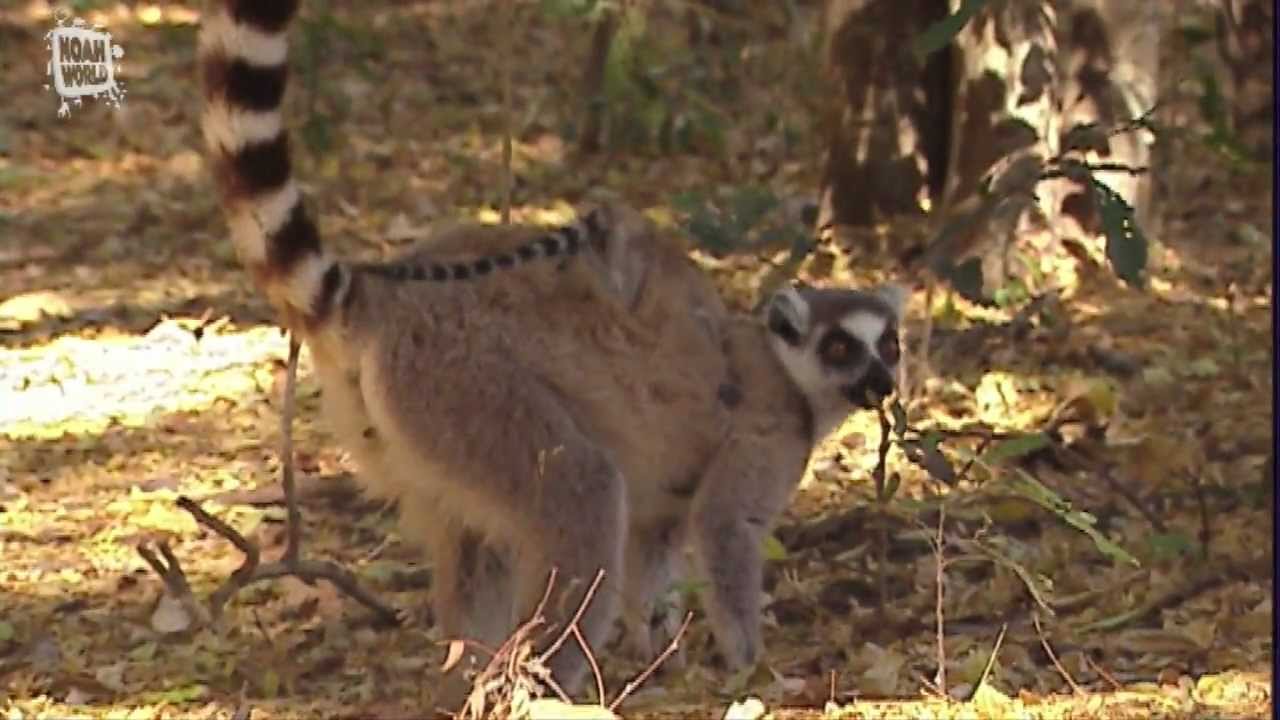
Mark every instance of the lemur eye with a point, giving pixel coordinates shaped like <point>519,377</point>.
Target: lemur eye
<point>838,349</point>
<point>888,346</point>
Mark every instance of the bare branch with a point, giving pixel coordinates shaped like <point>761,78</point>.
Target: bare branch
<point>591,660</point>
<point>939,548</point>
<point>582,609</point>
<point>644,675</point>
<point>294,532</point>
<point>1044,642</point>
<point>991,659</point>
<point>251,570</point>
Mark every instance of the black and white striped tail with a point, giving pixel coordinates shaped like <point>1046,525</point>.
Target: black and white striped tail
<point>244,68</point>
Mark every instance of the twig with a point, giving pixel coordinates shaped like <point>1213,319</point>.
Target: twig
<point>293,531</point>
<point>1208,579</point>
<point>251,570</point>
<point>175,581</point>
<point>1077,168</point>
<point>1044,642</point>
<point>1118,487</point>
<point>591,660</point>
<point>568,629</point>
<point>509,662</point>
<point>635,683</point>
<point>939,573</point>
<point>931,686</point>
<point>991,659</point>
<point>1070,603</point>
<point>1115,684</point>
<point>1138,122</point>
<point>882,539</point>
<point>1206,530</point>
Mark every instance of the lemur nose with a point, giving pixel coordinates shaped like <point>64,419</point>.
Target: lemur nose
<point>880,381</point>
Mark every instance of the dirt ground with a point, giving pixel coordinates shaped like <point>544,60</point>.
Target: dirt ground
<point>137,366</point>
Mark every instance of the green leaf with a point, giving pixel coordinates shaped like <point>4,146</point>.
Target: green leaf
<point>1126,245</point>
<point>899,417</point>
<point>6,631</point>
<point>1028,487</point>
<point>941,33</point>
<point>1014,448</point>
<point>773,549</point>
<point>925,453</point>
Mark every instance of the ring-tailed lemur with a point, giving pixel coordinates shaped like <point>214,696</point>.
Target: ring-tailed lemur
<point>529,415</point>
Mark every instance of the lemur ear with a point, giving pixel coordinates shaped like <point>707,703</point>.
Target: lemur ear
<point>895,296</point>
<point>787,315</point>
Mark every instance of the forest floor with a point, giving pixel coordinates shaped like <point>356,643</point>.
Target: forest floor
<point>137,366</point>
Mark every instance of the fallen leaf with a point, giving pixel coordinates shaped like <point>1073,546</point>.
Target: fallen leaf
<point>748,709</point>
<point>554,709</point>
<point>451,658</point>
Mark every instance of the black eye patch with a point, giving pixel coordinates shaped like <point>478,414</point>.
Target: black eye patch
<point>888,348</point>
<point>840,349</point>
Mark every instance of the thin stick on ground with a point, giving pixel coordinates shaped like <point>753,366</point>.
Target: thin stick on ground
<point>1044,642</point>
<point>514,666</point>
<point>251,570</point>
<point>510,666</point>
<point>991,659</point>
<point>568,629</point>
<point>1102,673</point>
<point>634,684</point>
<point>293,537</point>
<point>882,538</point>
<point>591,660</point>
<point>940,563</point>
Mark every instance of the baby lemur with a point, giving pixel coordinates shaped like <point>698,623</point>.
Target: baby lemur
<point>576,398</point>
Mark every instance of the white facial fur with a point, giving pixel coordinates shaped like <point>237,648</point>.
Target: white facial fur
<point>797,337</point>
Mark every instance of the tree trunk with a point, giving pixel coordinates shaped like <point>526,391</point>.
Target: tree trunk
<point>1246,41</point>
<point>1021,76</point>
<point>606,26</point>
<point>886,120</point>
<point>1006,97</point>
<point>1110,61</point>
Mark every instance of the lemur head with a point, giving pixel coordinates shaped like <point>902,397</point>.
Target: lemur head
<point>840,347</point>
